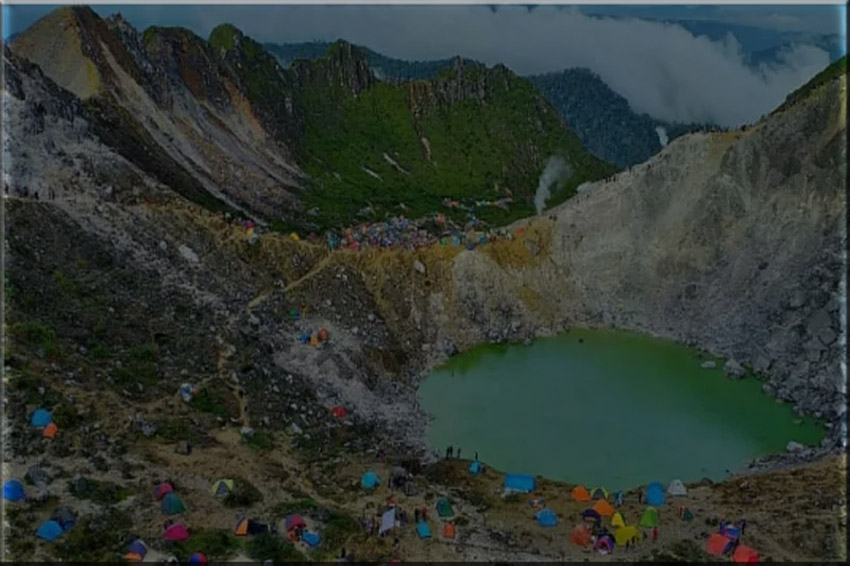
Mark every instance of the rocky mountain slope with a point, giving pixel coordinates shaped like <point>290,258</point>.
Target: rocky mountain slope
<point>224,124</point>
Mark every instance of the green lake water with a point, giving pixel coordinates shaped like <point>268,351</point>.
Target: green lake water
<point>604,408</point>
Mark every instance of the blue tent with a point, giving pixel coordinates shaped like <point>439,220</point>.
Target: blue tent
<point>475,467</point>
<point>655,494</point>
<point>139,547</point>
<point>519,482</point>
<point>49,530</point>
<point>41,418</point>
<point>591,514</point>
<point>423,529</point>
<point>312,539</point>
<point>370,480</point>
<point>546,518</point>
<point>13,490</point>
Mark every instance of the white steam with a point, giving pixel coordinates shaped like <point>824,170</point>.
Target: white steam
<point>662,135</point>
<point>556,170</point>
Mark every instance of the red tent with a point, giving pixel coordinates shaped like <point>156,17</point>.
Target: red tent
<point>719,545</point>
<point>581,536</point>
<point>162,489</point>
<point>176,532</point>
<point>745,554</point>
<point>339,412</point>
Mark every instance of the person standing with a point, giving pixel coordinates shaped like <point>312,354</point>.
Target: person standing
<point>654,534</point>
<point>458,453</point>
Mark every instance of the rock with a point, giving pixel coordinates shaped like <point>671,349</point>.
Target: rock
<point>266,421</point>
<point>188,254</point>
<point>710,364</point>
<point>247,431</point>
<point>295,429</point>
<point>162,245</point>
<point>819,322</point>
<point>38,476</point>
<point>761,364</point>
<point>827,336</point>
<point>183,447</point>
<point>798,299</point>
<point>253,320</point>
<point>419,266</point>
<point>794,447</point>
<point>148,429</point>
<point>733,369</point>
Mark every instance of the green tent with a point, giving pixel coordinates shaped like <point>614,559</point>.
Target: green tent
<point>444,508</point>
<point>171,504</point>
<point>649,518</point>
<point>687,515</point>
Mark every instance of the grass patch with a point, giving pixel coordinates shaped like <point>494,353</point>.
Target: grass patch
<point>67,417</point>
<point>36,336</point>
<point>99,352</point>
<point>273,547</point>
<point>217,545</point>
<point>244,494</point>
<point>261,441</point>
<point>98,538</point>
<point>104,492</point>
<point>210,401</point>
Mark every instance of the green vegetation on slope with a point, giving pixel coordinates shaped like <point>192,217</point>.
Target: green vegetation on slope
<point>834,70</point>
<point>368,150</point>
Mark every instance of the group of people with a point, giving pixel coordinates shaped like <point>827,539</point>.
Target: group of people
<point>452,452</point>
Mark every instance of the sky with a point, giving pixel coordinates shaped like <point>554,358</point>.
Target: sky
<point>660,66</point>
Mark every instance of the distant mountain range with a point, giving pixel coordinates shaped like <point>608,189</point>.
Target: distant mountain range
<point>601,118</point>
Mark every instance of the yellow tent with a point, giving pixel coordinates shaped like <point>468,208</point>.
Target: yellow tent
<point>626,534</point>
<point>617,520</point>
<point>222,487</point>
<point>294,237</point>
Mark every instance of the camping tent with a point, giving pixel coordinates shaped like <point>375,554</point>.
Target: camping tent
<point>719,545</point>
<point>49,530</point>
<point>580,493</point>
<point>546,518</point>
<point>387,521</point>
<point>685,514</point>
<point>161,490</point>
<point>603,508</point>
<point>676,487</point>
<point>41,418</point>
<point>50,431</point>
<point>581,536</point>
<point>370,480</point>
<point>519,482</point>
<point>730,531</point>
<point>449,531</point>
<point>604,544</point>
<point>339,412</point>
<point>241,527</point>
<point>65,518</point>
<point>444,508</point>
<point>312,539</point>
<point>294,521</point>
<point>655,494</point>
<point>591,515</point>
<point>222,487</point>
<point>617,520</point>
<point>745,554</point>
<point>423,529</point>
<point>649,517</point>
<point>176,533</point>
<point>171,504</point>
<point>626,534</point>
<point>137,551</point>
<point>13,490</point>
<point>198,558</point>
<point>475,467</point>
<point>599,493</point>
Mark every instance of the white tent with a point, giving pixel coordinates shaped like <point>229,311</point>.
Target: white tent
<point>387,521</point>
<point>676,487</point>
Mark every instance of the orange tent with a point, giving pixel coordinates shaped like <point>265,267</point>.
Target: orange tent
<point>745,554</point>
<point>449,531</point>
<point>50,430</point>
<point>603,508</point>
<point>581,536</point>
<point>323,335</point>
<point>242,528</point>
<point>314,340</point>
<point>580,493</point>
<point>133,557</point>
<point>718,544</point>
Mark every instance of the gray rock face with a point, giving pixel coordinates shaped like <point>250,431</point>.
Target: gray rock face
<point>734,370</point>
<point>709,364</point>
<point>795,447</point>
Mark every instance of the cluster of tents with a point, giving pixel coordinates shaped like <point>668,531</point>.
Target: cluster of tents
<point>389,518</point>
<point>591,534</point>
<point>728,541</point>
<point>314,338</point>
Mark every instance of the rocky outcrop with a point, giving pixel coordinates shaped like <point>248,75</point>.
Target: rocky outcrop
<point>345,66</point>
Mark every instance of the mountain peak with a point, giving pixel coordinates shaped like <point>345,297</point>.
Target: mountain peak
<point>225,37</point>
<point>345,65</point>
